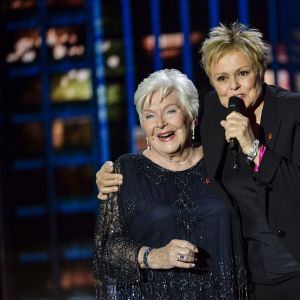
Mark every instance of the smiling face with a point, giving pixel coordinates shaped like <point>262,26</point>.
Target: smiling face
<point>166,125</point>
<point>234,75</point>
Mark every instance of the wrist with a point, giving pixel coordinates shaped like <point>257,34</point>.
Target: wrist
<point>141,256</point>
<point>253,152</point>
<point>144,256</point>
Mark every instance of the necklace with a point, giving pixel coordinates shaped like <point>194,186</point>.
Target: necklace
<point>180,163</point>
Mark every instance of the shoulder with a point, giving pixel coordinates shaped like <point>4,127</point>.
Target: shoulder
<point>286,101</point>
<point>213,112</point>
<point>211,99</point>
<point>127,161</point>
<point>212,105</point>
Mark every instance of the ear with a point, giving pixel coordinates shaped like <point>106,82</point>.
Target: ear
<point>194,122</point>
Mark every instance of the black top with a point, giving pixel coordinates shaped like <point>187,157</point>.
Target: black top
<point>277,187</point>
<point>268,258</point>
<point>154,206</point>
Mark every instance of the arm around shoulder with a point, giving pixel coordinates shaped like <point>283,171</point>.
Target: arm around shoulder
<point>107,181</point>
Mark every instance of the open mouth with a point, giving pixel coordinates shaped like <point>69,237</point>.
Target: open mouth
<point>165,136</point>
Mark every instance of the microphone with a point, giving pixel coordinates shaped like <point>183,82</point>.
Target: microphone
<point>235,104</point>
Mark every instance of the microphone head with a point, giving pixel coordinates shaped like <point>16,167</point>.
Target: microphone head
<point>236,104</point>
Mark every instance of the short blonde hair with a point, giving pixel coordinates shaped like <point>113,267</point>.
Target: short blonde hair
<point>237,36</point>
<point>166,81</point>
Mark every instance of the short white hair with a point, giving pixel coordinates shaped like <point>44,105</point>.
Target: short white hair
<point>166,81</point>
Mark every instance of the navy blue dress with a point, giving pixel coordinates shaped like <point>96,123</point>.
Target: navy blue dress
<point>154,206</point>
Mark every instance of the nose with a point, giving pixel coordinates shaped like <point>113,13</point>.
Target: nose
<point>234,83</point>
<point>160,122</point>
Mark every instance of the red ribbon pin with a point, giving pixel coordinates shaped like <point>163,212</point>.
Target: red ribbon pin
<point>270,136</point>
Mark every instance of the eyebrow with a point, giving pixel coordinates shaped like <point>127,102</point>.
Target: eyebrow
<point>148,109</point>
<point>238,69</point>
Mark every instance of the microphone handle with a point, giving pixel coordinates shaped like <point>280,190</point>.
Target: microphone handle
<point>234,149</point>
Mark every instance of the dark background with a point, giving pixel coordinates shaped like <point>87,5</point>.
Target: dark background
<point>69,69</point>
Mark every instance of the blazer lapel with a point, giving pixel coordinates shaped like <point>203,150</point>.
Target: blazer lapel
<point>212,134</point>
<point>214,147</point>
<point>269,121</point>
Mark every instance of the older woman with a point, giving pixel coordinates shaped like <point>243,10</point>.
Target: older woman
<point>267,186</point>
<point>166,234</point>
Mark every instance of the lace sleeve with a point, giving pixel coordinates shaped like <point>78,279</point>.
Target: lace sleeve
<point>116,254</point>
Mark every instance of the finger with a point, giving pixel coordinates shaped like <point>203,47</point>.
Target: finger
<point>186,254</point>
<point>101,196</point>
<point>231,135</point>
<point>186,257</point>
<point>236,130</point>
<point>223,123</point>
<point>231,132</point>
<point>234,115</point>
<point>108,166</point>
<point>184,265</point>
<point>186,244</point>
<point>104,175</point>
<point>108,190</point>
<point>109,182</point>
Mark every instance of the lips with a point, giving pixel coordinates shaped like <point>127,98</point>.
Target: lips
<point>241,96</point>
<point>166,136</point>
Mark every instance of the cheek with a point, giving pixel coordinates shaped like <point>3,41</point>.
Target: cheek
<point>221,89</point>
<point>253,83</point>
<point>224,100</point>
<point>148,129</point>
<point>222,94</point>
<point>255,91</point>
<point>186,130</point>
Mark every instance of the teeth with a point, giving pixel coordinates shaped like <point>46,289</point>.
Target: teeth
<point>165,135</point>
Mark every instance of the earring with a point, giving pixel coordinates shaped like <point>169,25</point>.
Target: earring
<point>148,145</point>
<point>193,130</point>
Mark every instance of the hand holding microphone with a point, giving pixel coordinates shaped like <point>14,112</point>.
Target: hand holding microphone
<point>238,131</point>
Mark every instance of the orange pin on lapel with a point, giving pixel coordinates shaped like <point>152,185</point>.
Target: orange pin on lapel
<point>270,136</point>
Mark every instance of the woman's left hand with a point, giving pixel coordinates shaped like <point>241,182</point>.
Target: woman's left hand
<point>238,126</point>
<point>177,253</point>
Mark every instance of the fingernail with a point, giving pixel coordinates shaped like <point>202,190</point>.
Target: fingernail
<point>193,265</point>
<point>116,189</point>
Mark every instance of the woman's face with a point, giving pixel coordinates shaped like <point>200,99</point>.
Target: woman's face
<point>165,124</point>
<point>234,75</point>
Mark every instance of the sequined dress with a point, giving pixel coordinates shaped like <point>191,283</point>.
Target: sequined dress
<point>154,206</point>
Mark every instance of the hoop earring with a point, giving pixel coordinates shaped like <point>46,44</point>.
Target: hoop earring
<point>148,145</point>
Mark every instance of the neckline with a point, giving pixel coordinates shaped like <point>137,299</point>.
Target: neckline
<point>168,170</point>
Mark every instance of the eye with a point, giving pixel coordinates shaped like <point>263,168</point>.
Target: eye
<point>171,111</point>
<point>149,116</point>
<point>221,78</point>
<point>244,73</point>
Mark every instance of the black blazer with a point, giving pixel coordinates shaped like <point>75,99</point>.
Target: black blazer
<point>279,171</point>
